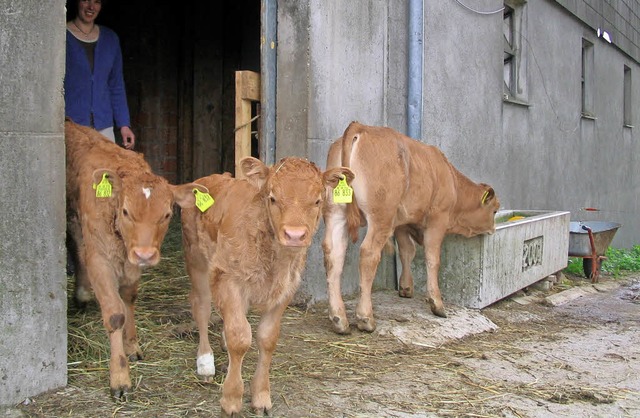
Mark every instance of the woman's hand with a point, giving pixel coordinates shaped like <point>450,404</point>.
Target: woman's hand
<point>128,138</point>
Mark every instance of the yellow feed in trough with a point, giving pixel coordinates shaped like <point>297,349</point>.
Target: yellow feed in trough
<point>515,218</point>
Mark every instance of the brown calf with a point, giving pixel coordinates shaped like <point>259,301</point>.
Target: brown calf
<point>248,251</point>
<point>118,214</point>
<point>403,188</point>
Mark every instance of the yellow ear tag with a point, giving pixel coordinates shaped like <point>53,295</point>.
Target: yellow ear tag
<point>342,193</point>
<point>203,200</point>
<point>103,189</point>
<point>484,196</point>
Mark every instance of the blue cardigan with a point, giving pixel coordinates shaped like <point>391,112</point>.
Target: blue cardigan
<point>101,93</point>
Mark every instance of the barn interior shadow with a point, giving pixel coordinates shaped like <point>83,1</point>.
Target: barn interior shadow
<point>179,68</point>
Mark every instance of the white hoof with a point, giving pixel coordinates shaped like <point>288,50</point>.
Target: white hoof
<point>206,365</point>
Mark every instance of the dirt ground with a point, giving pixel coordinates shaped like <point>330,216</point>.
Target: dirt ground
<point>578,359</point>
<point>521,357</point>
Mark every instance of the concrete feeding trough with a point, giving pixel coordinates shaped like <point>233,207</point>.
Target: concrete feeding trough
<point>528,246</point>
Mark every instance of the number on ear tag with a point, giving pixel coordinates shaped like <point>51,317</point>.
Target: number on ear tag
<point>342,193</point>
<point>203,200</point>
<point>103,189</point>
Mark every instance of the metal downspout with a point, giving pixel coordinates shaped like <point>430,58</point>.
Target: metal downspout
<point>416,58</point>
<point>268,55</point>
<point>414,87</point>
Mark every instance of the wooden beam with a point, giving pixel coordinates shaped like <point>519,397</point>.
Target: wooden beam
<point>247,91</point>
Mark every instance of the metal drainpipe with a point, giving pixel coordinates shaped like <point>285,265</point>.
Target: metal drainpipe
<point>414,93</point>
<point>268,55</point>
<point>416,57</point>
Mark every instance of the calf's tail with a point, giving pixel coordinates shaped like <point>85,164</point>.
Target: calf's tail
<point>354,217</point>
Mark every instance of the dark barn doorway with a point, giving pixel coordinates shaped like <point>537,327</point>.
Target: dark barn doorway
<point>180,61</point>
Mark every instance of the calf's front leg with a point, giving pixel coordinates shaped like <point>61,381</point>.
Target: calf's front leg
<point>432,246</point>
<point>237,334</point>
<point>267,336</point>
<point>114,316</point>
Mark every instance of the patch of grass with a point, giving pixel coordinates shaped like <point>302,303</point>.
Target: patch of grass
<point>619,260</point>
<point>622,260</point>
<point>574,266</point>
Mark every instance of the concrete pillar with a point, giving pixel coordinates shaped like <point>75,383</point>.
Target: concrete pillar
<point>33,297</point>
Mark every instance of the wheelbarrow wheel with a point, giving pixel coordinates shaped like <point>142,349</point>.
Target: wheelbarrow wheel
<point>587,266</point>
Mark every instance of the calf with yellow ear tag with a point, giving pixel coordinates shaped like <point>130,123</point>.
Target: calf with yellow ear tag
<point>118,215</point>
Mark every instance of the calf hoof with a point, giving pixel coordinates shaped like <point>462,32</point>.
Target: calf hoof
<point>437,308</point>
<point>134,353</point>
<point>366,324</point>
<point>262,412</point>
<point>121,393</point>
<point>232,411</point>
<point>406,292</point>
<point>135,356</point>
<point>340,325</point>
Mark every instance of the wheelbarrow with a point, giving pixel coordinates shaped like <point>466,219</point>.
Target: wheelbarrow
<point>590,240</point>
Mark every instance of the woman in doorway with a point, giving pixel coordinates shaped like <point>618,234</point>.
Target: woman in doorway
<point>94,87</point>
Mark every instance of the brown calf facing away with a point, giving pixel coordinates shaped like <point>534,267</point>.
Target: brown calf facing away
<point>118,214</point>
<point>248,251</point>
<point>405,188</point>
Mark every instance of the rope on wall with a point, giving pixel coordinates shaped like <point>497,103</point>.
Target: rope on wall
<point>479,11</point>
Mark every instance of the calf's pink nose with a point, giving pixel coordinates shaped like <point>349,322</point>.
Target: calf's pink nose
<point>295,235</point>
<point>145,253</point>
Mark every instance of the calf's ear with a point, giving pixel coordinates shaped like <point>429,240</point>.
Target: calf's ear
<point>488,195</point>
<point>254,170</point>
<point>332,176</point>
<point>185,195</point>
<point>102,175</point>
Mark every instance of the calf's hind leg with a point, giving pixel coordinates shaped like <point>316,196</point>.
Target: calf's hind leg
<point>370,253</point>
<point>406,252</point>
<point>200,297</point>
<point>129,294</point>
<point>334,246</point>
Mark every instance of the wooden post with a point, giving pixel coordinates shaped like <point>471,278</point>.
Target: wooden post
<point>247,91</point>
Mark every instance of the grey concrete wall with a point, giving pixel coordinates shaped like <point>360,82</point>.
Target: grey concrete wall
<point>345,65</point>
<point>463,87</point>
<point>554,159</point>
<point>33,352</point>
<point>621,19</point>
<point>538,155</point>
